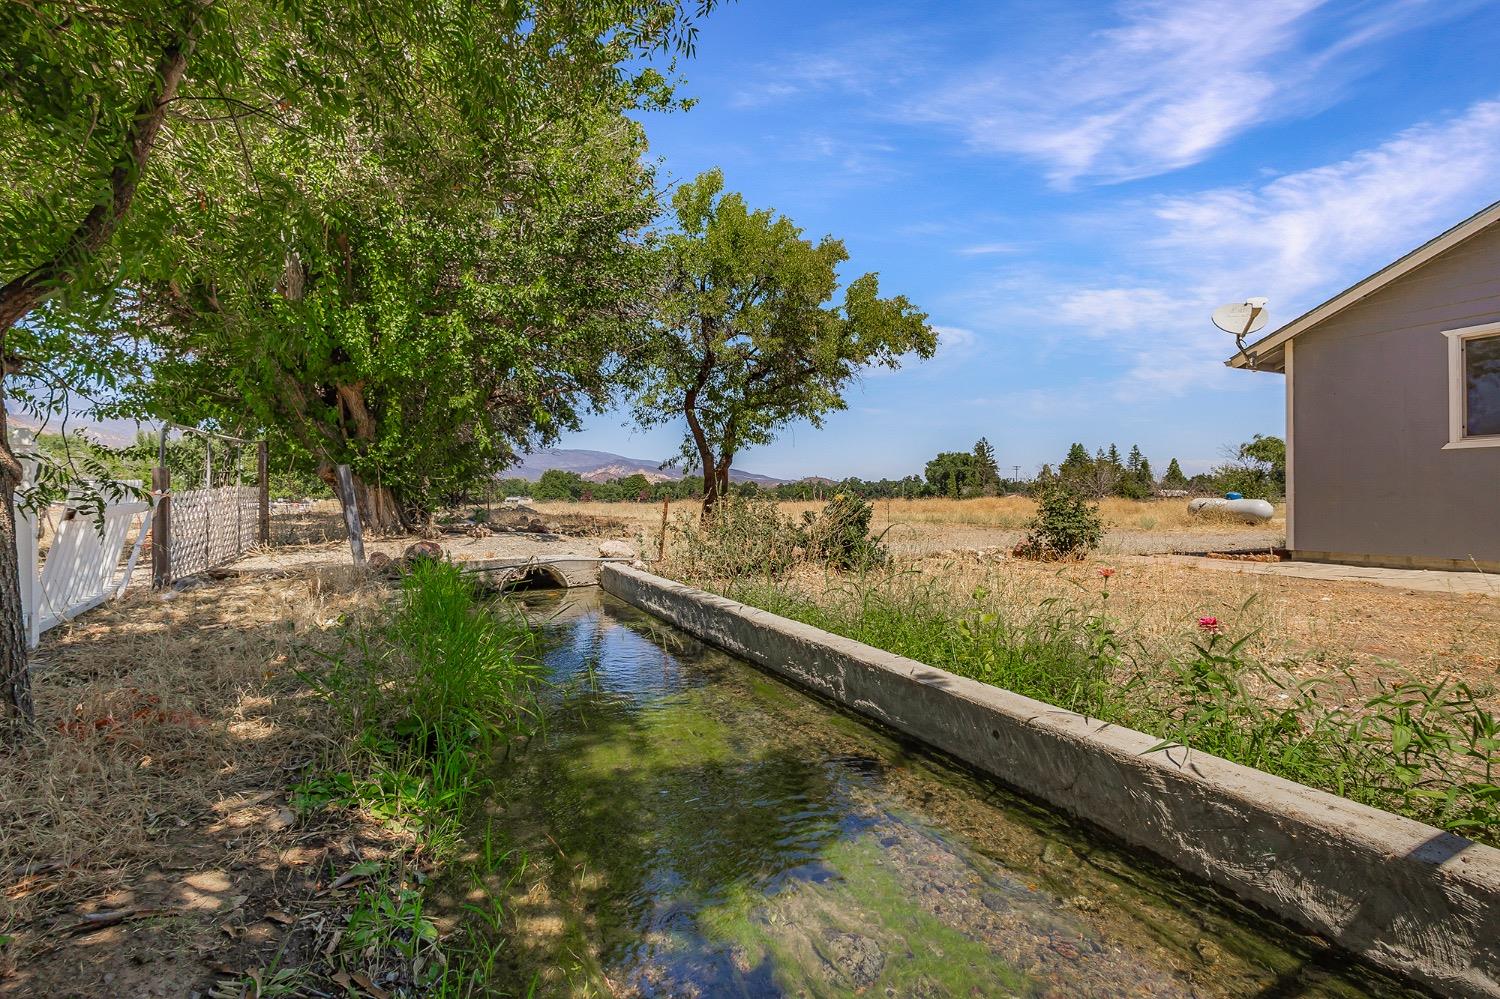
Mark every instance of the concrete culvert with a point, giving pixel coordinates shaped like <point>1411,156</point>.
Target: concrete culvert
<point>536,577</point>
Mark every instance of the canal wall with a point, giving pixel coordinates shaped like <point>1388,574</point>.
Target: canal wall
<point>1408,897</point>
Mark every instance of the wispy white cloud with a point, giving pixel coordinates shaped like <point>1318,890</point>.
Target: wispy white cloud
<point>1297,238</point>
<point>802,73</point>
<point>987,249</point>
<point>955,344</point>
<point>869,63</point>
<point>1170,82</point>
<point>1308,233</point>
<point>855,158</point>
<point>954,341</point>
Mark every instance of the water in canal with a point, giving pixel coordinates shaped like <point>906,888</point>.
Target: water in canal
<point>686,825</point>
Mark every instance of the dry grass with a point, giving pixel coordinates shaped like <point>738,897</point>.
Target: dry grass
<point>1306,627</point>
<point>1006,512</point>
<point>168,731</point>
<point>917,527</point>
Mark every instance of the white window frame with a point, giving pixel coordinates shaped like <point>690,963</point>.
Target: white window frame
<point>1458,387</point>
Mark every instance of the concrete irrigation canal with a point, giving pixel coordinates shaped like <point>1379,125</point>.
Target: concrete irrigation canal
<point>689,825</point>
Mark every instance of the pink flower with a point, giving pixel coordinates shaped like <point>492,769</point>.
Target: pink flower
<point>1106,572</point>
<point>1209,624</point>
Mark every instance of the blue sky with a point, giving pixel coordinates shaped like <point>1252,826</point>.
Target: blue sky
<point>1069,189</point>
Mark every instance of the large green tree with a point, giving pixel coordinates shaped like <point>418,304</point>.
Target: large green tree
<point>423,338</point>
<point>748,339</point>
<point>1257,469</point>
<point>133,131</point>
<point>951,472</point>
<point>1174,479</point>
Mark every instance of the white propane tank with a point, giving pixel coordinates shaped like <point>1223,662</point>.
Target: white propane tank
<point>1252,510</point>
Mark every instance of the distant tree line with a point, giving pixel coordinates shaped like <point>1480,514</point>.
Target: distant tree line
<point>1256,468</point>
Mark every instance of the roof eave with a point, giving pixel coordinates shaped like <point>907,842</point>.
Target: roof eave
<point>1270,345</point>
<point>1253,358</point>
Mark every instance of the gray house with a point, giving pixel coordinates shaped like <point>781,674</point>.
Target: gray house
<point>1393,410</point>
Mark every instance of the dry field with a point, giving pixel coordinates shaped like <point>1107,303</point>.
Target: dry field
<point>917,527</point>
<point>1314,627</point>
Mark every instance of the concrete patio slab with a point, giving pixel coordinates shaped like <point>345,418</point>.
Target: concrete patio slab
<point>1427,580</point>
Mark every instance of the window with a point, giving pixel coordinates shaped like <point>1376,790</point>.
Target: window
<point>1474,386</point>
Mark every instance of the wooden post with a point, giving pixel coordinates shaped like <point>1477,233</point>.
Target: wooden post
<point>345,479</point>
<point>161,528</point>
<point>661,544</point>
<point>263,480</point>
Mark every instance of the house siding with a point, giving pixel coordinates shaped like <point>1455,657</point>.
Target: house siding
<point>1370,395</point>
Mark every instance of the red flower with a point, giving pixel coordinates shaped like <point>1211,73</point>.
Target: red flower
<point>1209,624</point>
<point>1106,572</point>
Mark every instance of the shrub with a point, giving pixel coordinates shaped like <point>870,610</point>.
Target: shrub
<point>740,537</point>
<point>840,535</point>
<point>1066,526</point>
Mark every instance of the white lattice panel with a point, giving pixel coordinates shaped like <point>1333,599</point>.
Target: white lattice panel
<point>212,526</point>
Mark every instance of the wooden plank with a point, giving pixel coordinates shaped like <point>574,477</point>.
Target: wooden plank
<point>263,488</point>
<point>161,528</point>
<point>345,480</point>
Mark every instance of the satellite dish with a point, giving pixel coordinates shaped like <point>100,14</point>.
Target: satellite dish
<point>1241,318</point>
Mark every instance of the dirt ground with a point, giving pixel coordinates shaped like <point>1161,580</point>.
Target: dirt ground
<point>147,847</point>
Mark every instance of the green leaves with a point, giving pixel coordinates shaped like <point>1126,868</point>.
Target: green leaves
<point>747,338</point>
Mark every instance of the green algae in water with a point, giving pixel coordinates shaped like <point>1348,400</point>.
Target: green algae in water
<point>698,828</point>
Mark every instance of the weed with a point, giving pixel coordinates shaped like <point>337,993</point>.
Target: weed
<point>426,698</point>
<point>740,537</point>
<point>839,536</point>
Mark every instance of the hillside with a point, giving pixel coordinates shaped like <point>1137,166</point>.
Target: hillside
<point>602,466</point>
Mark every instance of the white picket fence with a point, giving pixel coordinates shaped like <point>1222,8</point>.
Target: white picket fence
<point>86,565</point>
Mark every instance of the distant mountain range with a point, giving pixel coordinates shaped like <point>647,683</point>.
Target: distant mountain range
<point>601,466</point>
<point>110,433</point>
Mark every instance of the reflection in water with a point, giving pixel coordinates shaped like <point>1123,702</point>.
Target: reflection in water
<point>700,829</point>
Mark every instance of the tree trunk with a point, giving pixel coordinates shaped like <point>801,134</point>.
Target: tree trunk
<point>15,679</point>
<point>23,293</point>
<point>379,512</point>
<point>707,461</point>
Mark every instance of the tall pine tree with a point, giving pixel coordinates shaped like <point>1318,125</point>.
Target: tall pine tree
<point>986,472</point>
<point>1174,479</point>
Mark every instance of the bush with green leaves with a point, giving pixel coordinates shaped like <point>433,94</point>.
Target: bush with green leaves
<point>840,535</point>
<point>427,696</point>
<point>739,537</point>
<point>1066,526</point>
